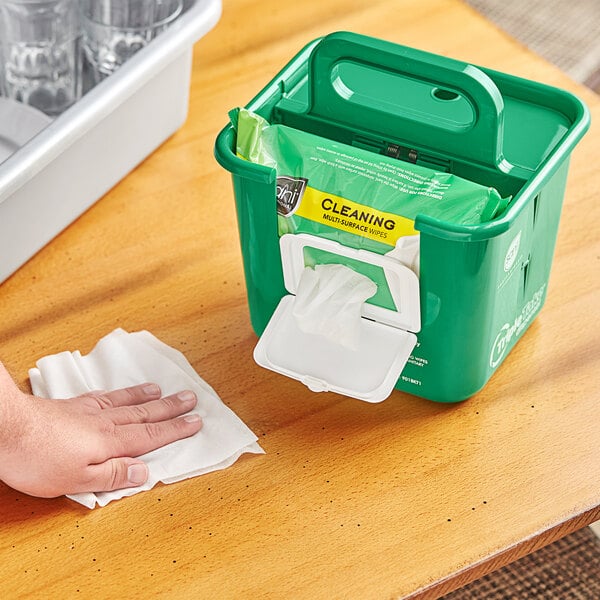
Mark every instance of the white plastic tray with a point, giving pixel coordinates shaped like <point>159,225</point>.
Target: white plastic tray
<point>55,177</point>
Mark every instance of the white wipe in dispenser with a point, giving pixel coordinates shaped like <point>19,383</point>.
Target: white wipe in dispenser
<point>387,335</point>
<point>329,301</point>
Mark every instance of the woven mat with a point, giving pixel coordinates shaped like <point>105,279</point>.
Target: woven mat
<point>564,32</point>
<point>568,569</point>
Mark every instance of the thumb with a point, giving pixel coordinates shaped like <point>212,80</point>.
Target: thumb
<point>117,473</point>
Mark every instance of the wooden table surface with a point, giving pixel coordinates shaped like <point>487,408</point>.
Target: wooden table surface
<point>402,499</point>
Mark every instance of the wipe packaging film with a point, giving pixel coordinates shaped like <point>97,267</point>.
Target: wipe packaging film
<point>350,195</point>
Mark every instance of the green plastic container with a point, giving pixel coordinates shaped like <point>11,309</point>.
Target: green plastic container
<point>481,286</point>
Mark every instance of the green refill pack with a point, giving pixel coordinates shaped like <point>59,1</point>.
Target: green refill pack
<point>395,162</point>
<point>345,193</point>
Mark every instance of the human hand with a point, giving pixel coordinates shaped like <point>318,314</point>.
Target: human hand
<point>86,444</point>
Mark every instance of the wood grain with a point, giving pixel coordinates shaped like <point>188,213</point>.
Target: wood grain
<point>407,498</point>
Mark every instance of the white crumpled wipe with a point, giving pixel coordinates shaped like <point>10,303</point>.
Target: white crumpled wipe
<point>123,359</point>
<point>329,301</point>
<point>407,251</point>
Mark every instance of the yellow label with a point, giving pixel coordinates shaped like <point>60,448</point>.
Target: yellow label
<point>353,217</point>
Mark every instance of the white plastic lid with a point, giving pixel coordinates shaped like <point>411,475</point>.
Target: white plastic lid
<point>368,373</point>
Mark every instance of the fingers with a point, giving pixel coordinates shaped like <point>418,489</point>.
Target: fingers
<point>155,410</point>
<point>138,438</point>
<point>114,474</point>
<point>142,404</point>
<point>136,394</point>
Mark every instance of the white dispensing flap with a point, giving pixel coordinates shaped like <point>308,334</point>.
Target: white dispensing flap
<point>368,373</point>
<point>403,283</point>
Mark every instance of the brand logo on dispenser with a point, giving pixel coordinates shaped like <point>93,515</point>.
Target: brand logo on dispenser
<point>289,194</point>
<point>509,331</point>
<point>512,252</point>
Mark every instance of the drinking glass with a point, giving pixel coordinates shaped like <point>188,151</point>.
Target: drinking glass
<point>41,52</point>
<point>114,30</point>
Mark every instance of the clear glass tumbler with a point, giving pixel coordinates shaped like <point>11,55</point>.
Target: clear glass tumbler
<point>114,30</point>
<point>41,52</point>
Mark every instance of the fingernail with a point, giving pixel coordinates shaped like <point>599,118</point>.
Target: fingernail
<point>193,418</point>
<point>186,396</point>
<point>137,474</point>
<point>151,389</point>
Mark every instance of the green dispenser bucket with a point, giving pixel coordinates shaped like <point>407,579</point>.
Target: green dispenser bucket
<point>480,286</point>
